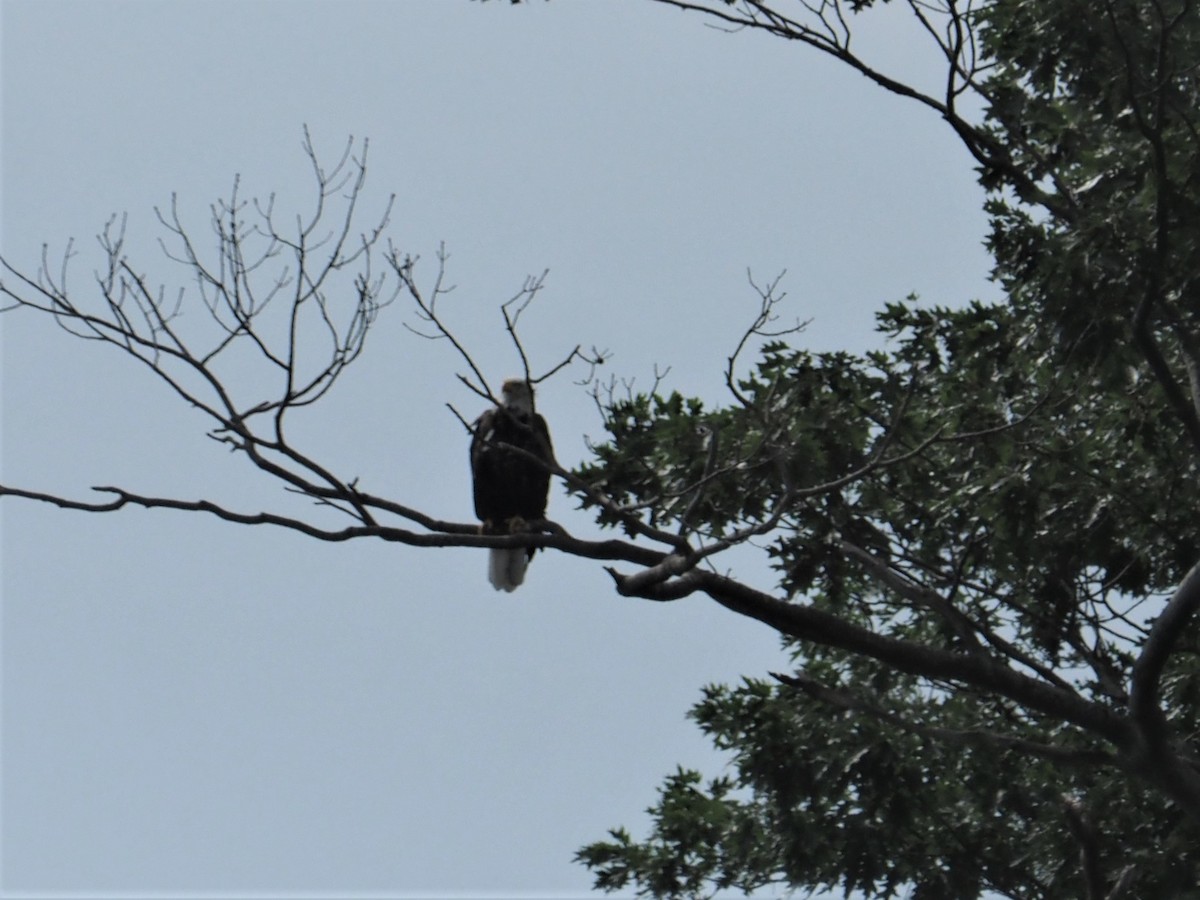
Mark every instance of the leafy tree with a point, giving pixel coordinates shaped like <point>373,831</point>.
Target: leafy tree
<point>982,536</point>
<point>982,539</point>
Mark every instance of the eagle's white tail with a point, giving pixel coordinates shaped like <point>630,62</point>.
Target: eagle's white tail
<point>506,568</point>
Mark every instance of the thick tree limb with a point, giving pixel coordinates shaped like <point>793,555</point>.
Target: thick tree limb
<point>806,622</point>
<point>1158,756</point>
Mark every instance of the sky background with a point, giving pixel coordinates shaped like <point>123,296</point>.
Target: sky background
<point>194,707</point>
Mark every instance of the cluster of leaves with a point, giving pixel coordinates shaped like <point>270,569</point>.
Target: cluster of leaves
<point>954,454</point>
<point>1033,496</point>
<point>1098,105</point>
<point>822,798</point>
<point>795,429</point>
<point>1015,481</point>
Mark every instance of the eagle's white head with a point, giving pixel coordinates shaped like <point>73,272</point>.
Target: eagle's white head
<point>517,395</point>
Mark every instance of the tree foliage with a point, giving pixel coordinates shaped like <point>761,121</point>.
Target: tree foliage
<point>1009,484</point>
<point>980,539</point>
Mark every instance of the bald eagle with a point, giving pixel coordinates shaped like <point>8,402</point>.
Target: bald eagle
<point>510,489</point>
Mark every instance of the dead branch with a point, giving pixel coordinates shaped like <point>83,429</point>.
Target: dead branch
<point>768,300</point>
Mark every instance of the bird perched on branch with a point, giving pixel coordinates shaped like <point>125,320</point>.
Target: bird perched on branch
<point>510,487</point>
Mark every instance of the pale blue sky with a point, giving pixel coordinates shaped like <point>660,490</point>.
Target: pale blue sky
<point>194,707</point>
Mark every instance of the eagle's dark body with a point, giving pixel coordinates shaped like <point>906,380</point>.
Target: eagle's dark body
<point>508,485</point>
<point>510,489</point>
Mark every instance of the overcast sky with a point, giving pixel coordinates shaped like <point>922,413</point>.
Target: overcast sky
<point>196,707</point>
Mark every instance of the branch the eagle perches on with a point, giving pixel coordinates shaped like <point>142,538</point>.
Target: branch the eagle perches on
<point>281,290</point>
<point>302,297</point>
